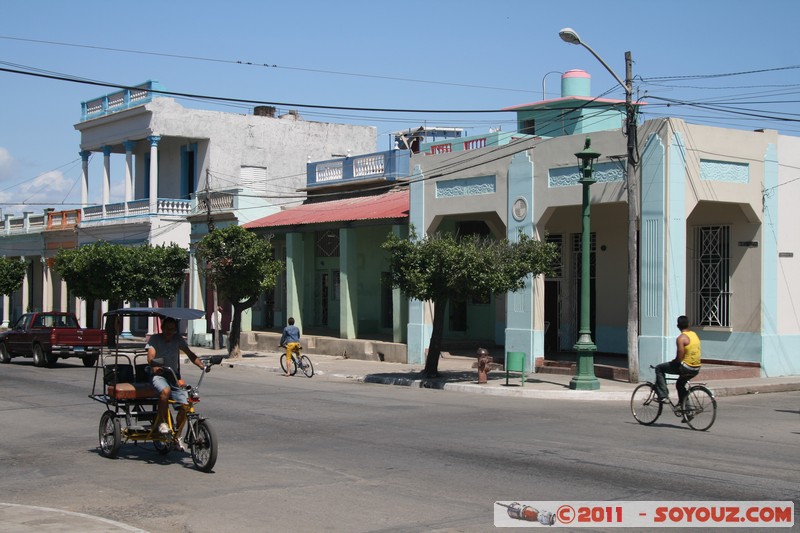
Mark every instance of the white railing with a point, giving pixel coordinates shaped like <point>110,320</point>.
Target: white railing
<point>330,171</point>
<point>174,207</point>
<point>366,166</point>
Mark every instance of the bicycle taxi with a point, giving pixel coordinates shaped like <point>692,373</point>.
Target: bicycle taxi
<point>122,383</point>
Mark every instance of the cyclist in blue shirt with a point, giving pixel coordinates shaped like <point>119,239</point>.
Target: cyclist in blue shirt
<point>290,339</point>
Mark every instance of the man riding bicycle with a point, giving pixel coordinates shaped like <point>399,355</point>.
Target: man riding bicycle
<point>291,340</point>
<point>686,363</point>
<point>167,346</point>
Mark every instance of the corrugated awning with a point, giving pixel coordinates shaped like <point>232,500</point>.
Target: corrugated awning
<point>383,206</point>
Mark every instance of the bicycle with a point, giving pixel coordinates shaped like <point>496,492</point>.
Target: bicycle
<point>298,361</point>
<point>698,409</point>
<point>200,439</point>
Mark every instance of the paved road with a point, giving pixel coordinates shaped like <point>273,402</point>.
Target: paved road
<point>303,454</point>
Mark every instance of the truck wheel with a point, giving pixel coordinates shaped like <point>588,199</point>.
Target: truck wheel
<point>5,357</point>
<point>38,355</point>
<point>51,358</point>
<point>89,361</point>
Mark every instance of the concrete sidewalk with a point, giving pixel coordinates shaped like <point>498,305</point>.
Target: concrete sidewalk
<point>457,374</point>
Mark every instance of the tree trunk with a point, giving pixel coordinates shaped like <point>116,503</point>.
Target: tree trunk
<point>234,352</point>
<point>88,320</point>
<point>435,347</point>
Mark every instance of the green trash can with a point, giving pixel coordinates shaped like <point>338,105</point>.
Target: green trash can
<point>515,362</point>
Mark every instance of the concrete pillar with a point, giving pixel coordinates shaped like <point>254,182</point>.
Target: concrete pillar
<point>26,289</point>
<point>106,176</point>
<point>196,329</point>
<point>294,277</point>
<point>85,177</point>
<point>399,302</point>
<point>6,311</point>
<point>47,288</point>
<point>129,145</point>
<point>126,323</point>
<point>348,301</point>
<point>64,294</point>
<point>154,172</point>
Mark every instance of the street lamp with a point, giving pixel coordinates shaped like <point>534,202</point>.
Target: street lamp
<point>569,35</point>
<point>584,378</point>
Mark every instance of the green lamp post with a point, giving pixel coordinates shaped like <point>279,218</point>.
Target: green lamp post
<point>584,378</point>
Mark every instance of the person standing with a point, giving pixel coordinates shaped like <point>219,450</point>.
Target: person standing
<point>686,363</point>
<point>290,339</point>
<point>216,320</point>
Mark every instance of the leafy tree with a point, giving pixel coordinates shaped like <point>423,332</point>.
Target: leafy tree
<point>240,264</point>
<point>12,272</point>
<point>445,268</point>
<point>118,273</point>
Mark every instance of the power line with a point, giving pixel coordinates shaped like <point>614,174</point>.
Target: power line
<point>264,65</point>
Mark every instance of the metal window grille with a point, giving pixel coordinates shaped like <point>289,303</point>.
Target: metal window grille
<point>712,276</point>
<point>577,253</point>
<point>327,243</point>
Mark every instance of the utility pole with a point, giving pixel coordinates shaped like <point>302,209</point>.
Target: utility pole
<point>633,243</point>
<point>210,221</point>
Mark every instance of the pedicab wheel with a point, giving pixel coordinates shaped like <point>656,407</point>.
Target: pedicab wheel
<point>308,368</point>
<point>110,435</point>
<point>645,406</point>
<point>204,447</point>
<point>283,365</point>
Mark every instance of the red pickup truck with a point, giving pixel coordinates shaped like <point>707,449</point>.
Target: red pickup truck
<point>48,337</point>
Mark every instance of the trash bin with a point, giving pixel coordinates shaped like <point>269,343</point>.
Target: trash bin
<point>515,362</point>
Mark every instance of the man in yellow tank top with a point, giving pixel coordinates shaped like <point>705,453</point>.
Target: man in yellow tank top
<point>686,363</point>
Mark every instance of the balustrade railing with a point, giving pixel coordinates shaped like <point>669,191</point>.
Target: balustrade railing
<point>119,100</point>
<point>390,165</point>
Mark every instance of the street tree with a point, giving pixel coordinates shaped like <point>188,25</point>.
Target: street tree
<point>12,272</point>
<point>241,266</point>
<point>444,268</point>
<point>119,273</point>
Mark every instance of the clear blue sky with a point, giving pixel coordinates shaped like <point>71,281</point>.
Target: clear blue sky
<point>434,55</point>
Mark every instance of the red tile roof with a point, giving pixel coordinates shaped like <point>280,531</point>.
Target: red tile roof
<point>384,206</point>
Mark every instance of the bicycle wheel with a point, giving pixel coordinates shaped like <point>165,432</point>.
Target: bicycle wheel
<point>645,406</point>
<point>699,408</point>
<point>110,435</point>
<point>204,446</point>
<point>306,366</point>
<point>283,365</point>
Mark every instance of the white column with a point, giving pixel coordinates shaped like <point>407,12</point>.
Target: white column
<point>85,177</point>
<point>47,289</point>
<point>106,177</point>
<point>154,172</point>
<point>126,323</point>
<point>26,297</point>
<point>6,311</point>
<point>128,172</point>
<point>80,311</point>
<point>64,295</point>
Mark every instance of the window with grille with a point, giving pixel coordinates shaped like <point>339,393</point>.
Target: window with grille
<point>327,243</point>
<point>577,253</point>
<point>712,276</point>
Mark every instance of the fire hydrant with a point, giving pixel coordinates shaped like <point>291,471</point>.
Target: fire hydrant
<point>484,364</point>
